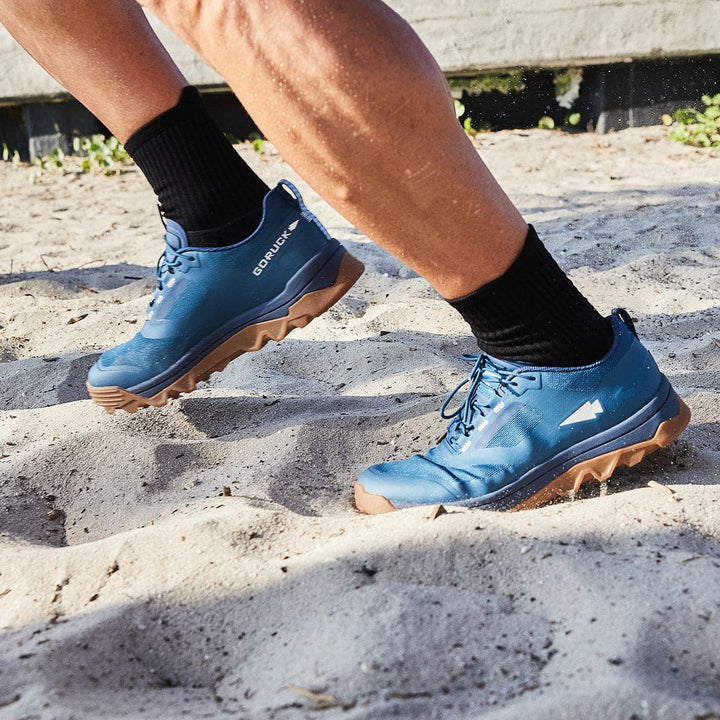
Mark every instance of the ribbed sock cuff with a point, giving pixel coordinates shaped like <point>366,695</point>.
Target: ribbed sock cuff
<point>533,313</point>
<point>200,180</point>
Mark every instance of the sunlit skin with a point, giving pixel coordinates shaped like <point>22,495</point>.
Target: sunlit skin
<point>344,89</point>
<point>85,46</point>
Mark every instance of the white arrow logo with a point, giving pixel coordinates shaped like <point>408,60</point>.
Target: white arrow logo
<point>587,411</point>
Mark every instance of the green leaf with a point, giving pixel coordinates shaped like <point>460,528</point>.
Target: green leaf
<point>546,123</point>
<point>573,119</point>
<point>468,127</point>
<point>686,115</point>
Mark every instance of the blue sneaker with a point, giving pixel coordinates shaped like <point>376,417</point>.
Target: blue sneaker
<point>525,435</point>
<point>213,304</point>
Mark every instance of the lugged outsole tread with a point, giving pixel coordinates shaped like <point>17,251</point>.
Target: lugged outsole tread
<point>249,339</point>
<point>597,468</point>
<point>602,467</point>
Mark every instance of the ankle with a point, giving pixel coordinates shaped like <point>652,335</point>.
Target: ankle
<point>533,313</point>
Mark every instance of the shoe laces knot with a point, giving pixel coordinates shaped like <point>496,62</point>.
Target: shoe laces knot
<point>487,383</point>
<point>168,263</point>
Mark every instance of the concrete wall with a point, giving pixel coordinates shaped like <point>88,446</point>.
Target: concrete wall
<point>468,35</point>
<point>472,35</point>
<point>22,79</point>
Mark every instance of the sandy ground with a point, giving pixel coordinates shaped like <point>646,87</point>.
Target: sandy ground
<point>131,587</point>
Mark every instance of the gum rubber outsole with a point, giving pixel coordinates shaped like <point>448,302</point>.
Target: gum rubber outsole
<point>249,339</point>
<point>597,468</point>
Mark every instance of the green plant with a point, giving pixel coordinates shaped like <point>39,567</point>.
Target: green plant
<point>7,156</point>
<point>257,142</point>
<point>53,162</point>
<point>699,128</point>
<point>573,119</point>
<point>471,127</point>
<point>504,83</point>
<point>546,123</point>
<point>467,123</point>
<point>102,155</point>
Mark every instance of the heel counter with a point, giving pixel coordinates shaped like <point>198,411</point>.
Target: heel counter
<point>639,367</point>
<point>305,212</point>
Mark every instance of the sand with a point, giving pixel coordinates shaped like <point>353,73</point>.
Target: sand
<point>131,586</point>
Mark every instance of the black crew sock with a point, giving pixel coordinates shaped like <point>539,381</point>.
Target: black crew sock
<point>534,314</point>
<point>200,181</point>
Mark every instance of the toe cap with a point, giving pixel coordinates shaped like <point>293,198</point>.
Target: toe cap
<point>406,483</point>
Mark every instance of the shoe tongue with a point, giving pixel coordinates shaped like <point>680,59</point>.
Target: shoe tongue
<point>511,365</point>
<point>175,236</point>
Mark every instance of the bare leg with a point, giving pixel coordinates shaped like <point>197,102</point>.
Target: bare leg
<point>104,53</point>
<point>356,104</point>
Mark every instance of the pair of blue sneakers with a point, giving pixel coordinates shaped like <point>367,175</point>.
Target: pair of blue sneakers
<point>522,436</point>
